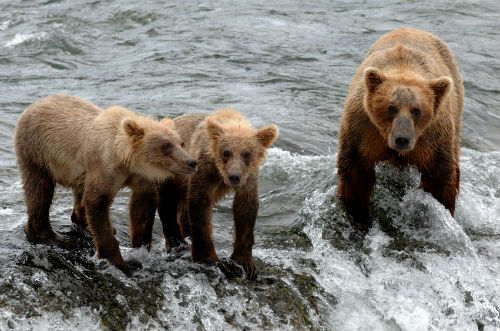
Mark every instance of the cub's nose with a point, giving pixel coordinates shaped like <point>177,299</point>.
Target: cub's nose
<point>402,141</point>
<point>234,178</point>
<point>191,163</point>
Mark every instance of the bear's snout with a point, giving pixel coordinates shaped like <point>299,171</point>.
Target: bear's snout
<point>402,135</point>
<point>234,178</point>
<point>191,163</point>
<point>402,141</point>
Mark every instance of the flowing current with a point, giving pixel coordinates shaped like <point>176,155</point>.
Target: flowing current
<point>282,62</point>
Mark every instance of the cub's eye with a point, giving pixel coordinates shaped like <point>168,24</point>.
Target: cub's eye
<point>392,110</point>
<point>416,113</point>
<point>247,156</point>
<point>226,154</point>
<point>166,147</point>
<point>182,144</point>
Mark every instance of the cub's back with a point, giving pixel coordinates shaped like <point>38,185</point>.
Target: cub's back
<point>186,125</point>
<point>51,132</point>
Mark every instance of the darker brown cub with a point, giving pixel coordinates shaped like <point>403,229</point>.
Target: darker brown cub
<point>404,106</point>
<point>228,151</point>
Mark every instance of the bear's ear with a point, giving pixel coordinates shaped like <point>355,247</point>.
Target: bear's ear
<point>168,122</point>
<point>440,86</point>
<point>373,78</point>
<point>214,129</point>
<point>132,129</point>
<point>267,135</point>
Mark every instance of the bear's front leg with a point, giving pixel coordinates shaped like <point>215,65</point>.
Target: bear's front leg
<point>245,209</point>
<point>200,216</point>
<point>169,195</point>
<point>356,181</point>
<point>142,209</point>
<point>97,201</point>
<point>442,182</point>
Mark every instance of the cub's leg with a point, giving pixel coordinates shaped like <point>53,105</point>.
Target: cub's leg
<point>78,216</point>
<point>245,208</point>
<point>356,181</point>
<point>184,216</point>
<point>169,195</point>
<point>142,209</point>
<point>98,196</point>
<point>200,216</point>
<point>38,188</point>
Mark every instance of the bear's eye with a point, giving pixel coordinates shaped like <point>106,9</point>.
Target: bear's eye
<point>165,147</point>
<point>415,112</point>
<point>392,110</point>
<point>182,144</point>
<point>226,154</point>
<point>247,156</point>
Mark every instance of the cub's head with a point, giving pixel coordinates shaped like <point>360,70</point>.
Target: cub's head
<point>238,148</point>
<point>156,149</point>
<point>402,107</point>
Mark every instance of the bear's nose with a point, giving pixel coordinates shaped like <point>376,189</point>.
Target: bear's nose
<point>234,178</point>
<point>402,141</point>
<point>191,163</point>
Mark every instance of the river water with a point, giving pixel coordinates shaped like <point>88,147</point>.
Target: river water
<point>278,62</point>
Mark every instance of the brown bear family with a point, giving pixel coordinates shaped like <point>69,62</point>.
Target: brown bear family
<point>404,106</point>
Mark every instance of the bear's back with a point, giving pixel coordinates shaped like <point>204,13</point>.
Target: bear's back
<point>50,134</point>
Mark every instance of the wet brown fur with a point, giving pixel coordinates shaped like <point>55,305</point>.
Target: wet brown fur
<point>185,204</point>
<point>407,69</point>
<point>66,140</point>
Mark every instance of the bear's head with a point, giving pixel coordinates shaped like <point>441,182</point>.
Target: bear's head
<point>156,149</point>
<point>403,106</point>
<point>238,148</point>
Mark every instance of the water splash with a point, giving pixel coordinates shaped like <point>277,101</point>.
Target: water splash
<point>20,38</point>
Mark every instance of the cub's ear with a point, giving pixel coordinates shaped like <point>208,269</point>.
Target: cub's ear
<point>132,129</point>
<point>267,135</point>
<point>373,78</point>
<point>440,86</point>
<point>168,122</point>
<point>214,129</point>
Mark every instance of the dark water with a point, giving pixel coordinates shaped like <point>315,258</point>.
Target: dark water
<point>277,62</point>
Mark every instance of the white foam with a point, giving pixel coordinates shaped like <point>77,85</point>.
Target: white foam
<point>4,25</point>
<point>383,292</point>
<point>287,165</point>
<point>20,38</point>
<point>6,211</point>
<point>81,319</point>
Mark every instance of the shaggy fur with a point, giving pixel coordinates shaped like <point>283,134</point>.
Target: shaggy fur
<point>66,140</point>
<point>404,106</point>
<point>228,151</point>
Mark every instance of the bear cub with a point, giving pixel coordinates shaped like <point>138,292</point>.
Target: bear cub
<point>404,107</point>
<point>69,141</point>
<point>228,151</point>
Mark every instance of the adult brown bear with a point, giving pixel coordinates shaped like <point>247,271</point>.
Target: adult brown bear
<point>404,106</point>
<point>66,140</point>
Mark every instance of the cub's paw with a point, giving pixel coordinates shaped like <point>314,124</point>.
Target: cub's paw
<point>230,268</point>
<point>248,265</point>
<point>175,245</point>
<point>128,268</point>
<point>131,267</point>
<point>52,239</point>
